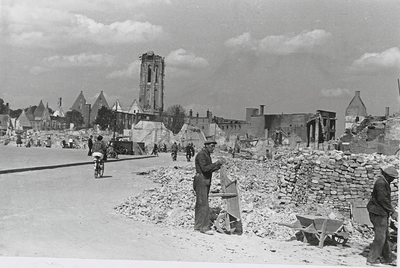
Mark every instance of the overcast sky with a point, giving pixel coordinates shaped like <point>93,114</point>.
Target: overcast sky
<point>291,56</point>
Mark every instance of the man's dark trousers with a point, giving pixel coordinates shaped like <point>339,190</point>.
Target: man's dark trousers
<point>380,245</point>
<point>201,186</point>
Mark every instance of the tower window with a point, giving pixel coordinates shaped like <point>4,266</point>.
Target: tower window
<point>149,74</point>
<point>156,74</point>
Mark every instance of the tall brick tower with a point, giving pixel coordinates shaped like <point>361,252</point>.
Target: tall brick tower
<point>151,95</point>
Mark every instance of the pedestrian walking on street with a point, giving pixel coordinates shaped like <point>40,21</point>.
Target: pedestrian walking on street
<point>189,151</point>
<point>174,151</point>
<point>19,140</point>
<point>380,211</point>
<point>155,150</point>
<point>90,145</point>
<point>48,142</point>
<point>201,186</point>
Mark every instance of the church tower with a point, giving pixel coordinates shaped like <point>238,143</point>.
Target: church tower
<point>151,95</point>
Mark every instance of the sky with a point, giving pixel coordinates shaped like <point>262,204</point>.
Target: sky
<point>223,56</point>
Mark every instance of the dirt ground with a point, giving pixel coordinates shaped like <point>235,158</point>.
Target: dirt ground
<point>65,218</point>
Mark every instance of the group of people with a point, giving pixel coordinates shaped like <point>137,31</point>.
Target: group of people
<point>70,144</point>
<point>30,142</point>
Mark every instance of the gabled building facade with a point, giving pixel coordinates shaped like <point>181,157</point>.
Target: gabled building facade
<point>38,113</point>
<point>84,108</point>
<point>59,112</point>
<point>135,108</point>
<point>100,102</point>
<point>23,121</point>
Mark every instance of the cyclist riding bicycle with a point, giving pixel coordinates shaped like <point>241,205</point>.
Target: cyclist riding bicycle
<point>99,148</point>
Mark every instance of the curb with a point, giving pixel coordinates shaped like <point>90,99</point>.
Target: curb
<point>16,170</point>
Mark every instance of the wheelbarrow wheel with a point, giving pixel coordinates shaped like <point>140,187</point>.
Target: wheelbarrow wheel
<point>223,224</point>
<point>339,240</point>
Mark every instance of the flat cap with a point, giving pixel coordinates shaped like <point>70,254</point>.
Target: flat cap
<point>210,141</point>
<point>390,171</point>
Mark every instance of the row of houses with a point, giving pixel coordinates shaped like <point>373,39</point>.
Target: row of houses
<point>39,118</point>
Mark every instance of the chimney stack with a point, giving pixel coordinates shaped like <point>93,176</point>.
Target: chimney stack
<point>387,112</point>
<point>358,93</point>
<point>191,113</point>
<point>262,109</point>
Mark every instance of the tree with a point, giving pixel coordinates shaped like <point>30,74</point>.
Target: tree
<point>15,113</point>
<point>174,118</point>
<point>105,118</point>
<point>3,107</point>
<point>74,117</point>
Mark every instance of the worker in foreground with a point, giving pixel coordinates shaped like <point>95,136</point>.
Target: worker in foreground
<point>380,211</point>
<point>201,186</point>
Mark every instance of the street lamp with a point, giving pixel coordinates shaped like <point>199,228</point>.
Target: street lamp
<point>115,124</point>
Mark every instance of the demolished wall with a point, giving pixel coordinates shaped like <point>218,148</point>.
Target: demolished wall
<point>150,132</point>
<point>377,135</point>
<point>333,178</point>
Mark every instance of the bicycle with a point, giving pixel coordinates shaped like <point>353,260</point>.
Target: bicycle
<point>98,164</point>
<point>173,155</point>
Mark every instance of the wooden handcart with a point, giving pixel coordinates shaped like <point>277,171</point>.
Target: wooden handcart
<point>320,227</point>
<point>229,221</point>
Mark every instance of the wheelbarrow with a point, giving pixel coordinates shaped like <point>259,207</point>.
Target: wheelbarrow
<point>320,227</point>
<point>229,220</point>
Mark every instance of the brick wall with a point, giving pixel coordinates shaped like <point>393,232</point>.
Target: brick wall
<point>331,178</point>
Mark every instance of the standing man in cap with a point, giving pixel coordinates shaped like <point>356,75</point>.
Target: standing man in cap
<point>380,210</point>
<point>90,145</point>
<point>201,185</point>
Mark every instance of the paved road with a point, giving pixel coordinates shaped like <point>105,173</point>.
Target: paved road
<point>14,158</point>
<point>65,212</point>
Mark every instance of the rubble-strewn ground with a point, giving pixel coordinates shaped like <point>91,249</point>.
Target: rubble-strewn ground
<point>172,203</point>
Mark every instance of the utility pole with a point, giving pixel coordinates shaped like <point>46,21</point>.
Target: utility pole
<point>398,85</point>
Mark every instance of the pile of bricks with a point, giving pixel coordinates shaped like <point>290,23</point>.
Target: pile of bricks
<point>331,178</point>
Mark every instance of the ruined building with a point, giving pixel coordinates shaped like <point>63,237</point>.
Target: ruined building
<point>367,133</point>
<point>209,123</point>
<point>355,112</point>
<point>151,94</point>
<point>290,129</point>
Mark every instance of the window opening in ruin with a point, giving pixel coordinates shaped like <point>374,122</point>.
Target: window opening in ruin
<point>149,74</point>
<point>156,74</point>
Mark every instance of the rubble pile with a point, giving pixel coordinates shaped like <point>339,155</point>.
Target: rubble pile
<point>39,138</point>
<point>173,202</point>
<point>330,178</point>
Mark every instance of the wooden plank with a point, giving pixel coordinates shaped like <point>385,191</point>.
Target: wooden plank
<point>223,195</point>
<point>359,212</point>
<point>230,187</point>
